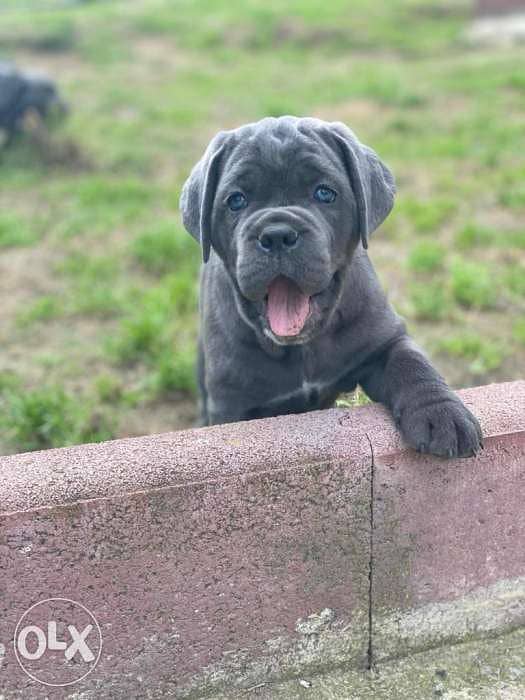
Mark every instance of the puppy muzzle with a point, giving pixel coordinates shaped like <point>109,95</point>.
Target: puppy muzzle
<point>282,241</point>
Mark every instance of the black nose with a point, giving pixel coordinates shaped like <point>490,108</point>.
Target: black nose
<point>277,237</point>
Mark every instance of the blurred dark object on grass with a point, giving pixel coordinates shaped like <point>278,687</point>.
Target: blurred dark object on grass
<point>498,23</point>
<point>27,98</point>
<point>30,106</point>
<point>488,8</point>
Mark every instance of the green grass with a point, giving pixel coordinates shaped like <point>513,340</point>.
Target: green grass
<point>482,355</point>
<point>472,235</point>
<point>175,371</point>
<point>515,239</point>
<point>94,285</point>
<point>429,301</point>
<point>45,308</point>
<point>150,325</point>
<point>357,398</point>
<point>103,320</point>
<point>513,196</point>
<point>519,331</point>
<point>55,34</point>
<point>426,256</point>
<point>15,232</point>
<point>164,247</point>
<point>50,417</point>
<point>426,217</point>
<point>152,333</point>
<point>475,236</point>
<point>473,285</point>
<point>514,279</point>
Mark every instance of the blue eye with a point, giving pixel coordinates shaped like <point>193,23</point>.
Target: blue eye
<point>325,194</point>
<point>237,201</point>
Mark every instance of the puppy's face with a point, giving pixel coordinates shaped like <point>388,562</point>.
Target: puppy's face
<point>284,222</point>
<point>281,202</point>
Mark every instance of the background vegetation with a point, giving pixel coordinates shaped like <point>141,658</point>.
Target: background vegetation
<point>98,280</point>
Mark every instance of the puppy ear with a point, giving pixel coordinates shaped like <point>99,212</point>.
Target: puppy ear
<point>372,182</point>
<point>198,194</point>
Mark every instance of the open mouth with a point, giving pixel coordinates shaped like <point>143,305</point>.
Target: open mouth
<point>287,307</point>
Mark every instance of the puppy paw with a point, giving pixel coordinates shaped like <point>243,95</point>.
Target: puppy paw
<point>445,428</point>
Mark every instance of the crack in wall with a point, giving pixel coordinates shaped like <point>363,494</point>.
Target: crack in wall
<point>370,650</point>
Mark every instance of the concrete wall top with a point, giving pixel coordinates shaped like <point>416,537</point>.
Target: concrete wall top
<point>61,476</point>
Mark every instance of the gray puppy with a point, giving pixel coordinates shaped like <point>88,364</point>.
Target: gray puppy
<point>22,92</point>
<point>292,313</point>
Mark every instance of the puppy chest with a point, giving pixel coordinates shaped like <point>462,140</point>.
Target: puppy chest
<point>305,397</point>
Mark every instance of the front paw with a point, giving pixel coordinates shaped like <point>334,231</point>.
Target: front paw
<point>445,428</point>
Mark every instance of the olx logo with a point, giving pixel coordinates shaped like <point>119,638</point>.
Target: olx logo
<point>58,641</point>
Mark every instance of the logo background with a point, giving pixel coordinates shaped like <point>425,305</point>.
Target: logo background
<point>52,668</point>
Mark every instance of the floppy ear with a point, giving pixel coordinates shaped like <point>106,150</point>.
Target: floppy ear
<point>198,194</point>
<point>372,182</point>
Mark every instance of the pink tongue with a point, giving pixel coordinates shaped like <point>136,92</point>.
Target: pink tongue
<point>287,307</point>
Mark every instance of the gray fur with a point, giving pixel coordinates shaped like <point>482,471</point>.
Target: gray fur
<point>352,335</point>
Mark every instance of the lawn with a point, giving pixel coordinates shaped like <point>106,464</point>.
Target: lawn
<point>98,279</point>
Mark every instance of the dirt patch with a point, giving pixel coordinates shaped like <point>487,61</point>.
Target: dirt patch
<point>159,417</point>
<point>159,51</point>
<point>352,112</point>
<point>52,150</point>
<point>66,67</point>
<point>295,31</point>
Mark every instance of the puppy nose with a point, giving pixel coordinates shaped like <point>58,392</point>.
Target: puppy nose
<point>274,238</point>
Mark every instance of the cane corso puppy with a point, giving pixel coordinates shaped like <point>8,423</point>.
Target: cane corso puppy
<point>292,312</point>
<point>22,92</point>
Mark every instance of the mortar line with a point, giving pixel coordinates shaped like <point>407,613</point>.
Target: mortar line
<point>370,650</point>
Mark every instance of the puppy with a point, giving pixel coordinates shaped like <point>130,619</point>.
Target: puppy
<point>23,93</point>
<point>292,312</point>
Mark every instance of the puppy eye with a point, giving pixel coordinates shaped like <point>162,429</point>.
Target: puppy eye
<point>236,201</point>
<point>324,194</point>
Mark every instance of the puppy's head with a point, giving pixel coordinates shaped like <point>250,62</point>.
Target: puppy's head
<point>284,203</point>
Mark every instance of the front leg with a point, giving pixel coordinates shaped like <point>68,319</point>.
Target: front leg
<point>429,414</point>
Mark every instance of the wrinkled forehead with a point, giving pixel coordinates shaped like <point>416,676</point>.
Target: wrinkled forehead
<point>277,157</point>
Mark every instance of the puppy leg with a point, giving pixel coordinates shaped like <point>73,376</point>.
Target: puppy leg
<point>203,418</point>
<point>430,416</point>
